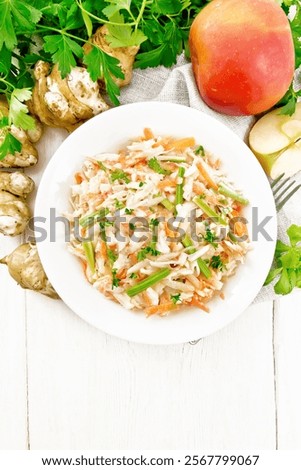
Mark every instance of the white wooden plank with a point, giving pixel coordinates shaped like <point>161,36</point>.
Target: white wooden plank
<point>13,408</point>
<point>13,400</point>
<point>287,332</point>
<point>88,390</point>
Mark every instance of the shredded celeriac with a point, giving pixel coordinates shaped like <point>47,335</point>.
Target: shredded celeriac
<point>156,224</point>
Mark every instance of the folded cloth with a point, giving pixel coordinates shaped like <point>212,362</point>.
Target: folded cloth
<point>177,85</point>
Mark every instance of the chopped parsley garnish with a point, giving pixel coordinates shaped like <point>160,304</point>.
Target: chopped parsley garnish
<point>210,237</point>
<point>148,250</point>
<point>128,211</point>
<point>154,222</point>
<point>141,184</point>
<point>175,298</point>
<point>132,226</point>
<point>119,204</point>
<point>119,175</point>
<point>216,263</point>
<point>200,150</point>
<point>115,279</point>
<point>112,255</point>
<point>133,276</point>
<point>155,166</point>
<point>102,166</point>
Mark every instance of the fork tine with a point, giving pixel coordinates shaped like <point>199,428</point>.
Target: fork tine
<point>284,201</point>
<point>276,190</point>
<point>276,180</point>
<point>283,192</point>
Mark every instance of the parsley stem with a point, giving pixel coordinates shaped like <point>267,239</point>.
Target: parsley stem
<point>43,28</point>
<point>9,85</point>
<point>140,14</point>
<point>148,282</point>
<point>101,20</point>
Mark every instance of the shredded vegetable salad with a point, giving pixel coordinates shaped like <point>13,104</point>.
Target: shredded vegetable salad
<point>157,225</point>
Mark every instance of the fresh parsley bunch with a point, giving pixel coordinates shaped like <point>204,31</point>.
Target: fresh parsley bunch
<point>287,263</point>
<point>55,31</point>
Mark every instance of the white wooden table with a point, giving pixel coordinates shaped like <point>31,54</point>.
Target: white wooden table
<point>66,385</point>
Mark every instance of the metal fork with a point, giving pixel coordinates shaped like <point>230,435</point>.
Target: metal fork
<point>280,188</point>
<point>281,198</point>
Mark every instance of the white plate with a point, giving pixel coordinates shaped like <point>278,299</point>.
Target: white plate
<point>108,132</point>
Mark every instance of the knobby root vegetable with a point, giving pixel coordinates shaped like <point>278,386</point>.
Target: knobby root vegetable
<point>65,102</point>
<point>16,183</point>
<point>14,214</point>
<point>28,155</point>
<point>125,55</point>
<point>25,267</point>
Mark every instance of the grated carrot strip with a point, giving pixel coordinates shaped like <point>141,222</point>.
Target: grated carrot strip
<point>103,250</point>
<point>146,299</point>
<point>240,229</point>
<point>160,309</point>
<point>170,233</point>
<point>166,182</point>
<point>148,134</point>
<point>207,177</point>
<point>163,142</point>
<point>181,144</point>
<point>195,301</point>
<point>78,178</point>
<point>197,189</point>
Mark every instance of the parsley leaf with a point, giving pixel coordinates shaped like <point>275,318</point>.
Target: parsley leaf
<point>166,53</point>
<point>119,175</point>
<point>294,233</point>
<point>102,65</point>
<point>285,285</point>
<point>115,279</point>
<point>216,263</point>
<point>5,60</point>
<point>169,7</point>
<point>148,250</point>
<point>9,145</point>
<point>175,298</point>
<point>3,122</point>
<point>210,237</point>
<point>16,12</point>
<point>200,150</point>
<point>112,256</point>
<point>62,50</point>
<point>155,166</point>
<point>133,276</point>
<point>115,6</point>
<point>123,36</point>
<point>289,101</point>
<point>154,222</point>
<point>288,263</point>
<point>119,204</point>
<point>18,111</point>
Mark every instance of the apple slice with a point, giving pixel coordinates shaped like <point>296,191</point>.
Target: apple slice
<point>272,133</point>
<point>275,141</point>
<point>292,128</point>
<point>288,161</point>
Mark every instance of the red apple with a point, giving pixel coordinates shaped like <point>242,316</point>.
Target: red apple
<point>242,55</point>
